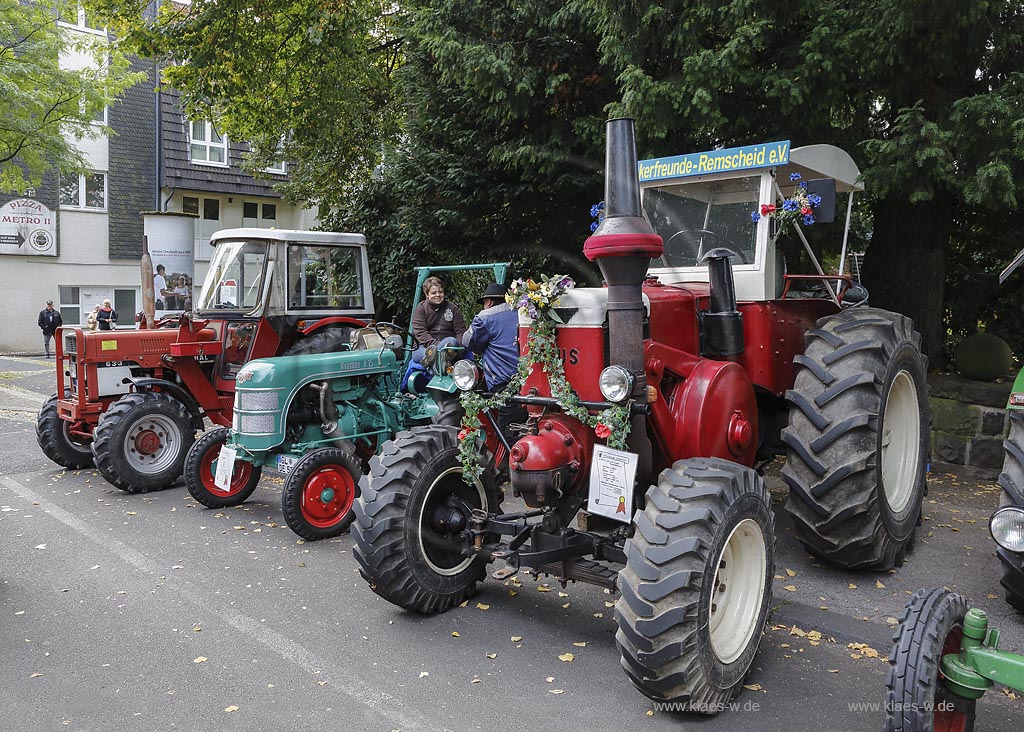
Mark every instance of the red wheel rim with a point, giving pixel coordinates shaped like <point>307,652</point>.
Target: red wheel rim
<point>328,496</point>
<point>946,718</point>
<point>208,470</point>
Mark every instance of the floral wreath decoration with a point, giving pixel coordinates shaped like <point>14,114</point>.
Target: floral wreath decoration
<point>537,301</point>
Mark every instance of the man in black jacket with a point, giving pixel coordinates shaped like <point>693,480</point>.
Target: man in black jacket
<point>49,321</point>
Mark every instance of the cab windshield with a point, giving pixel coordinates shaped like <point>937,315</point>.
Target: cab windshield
<point>696,217</point>
<point>236,276</point>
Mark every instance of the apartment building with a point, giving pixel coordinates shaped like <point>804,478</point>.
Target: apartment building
<point>77,239</point>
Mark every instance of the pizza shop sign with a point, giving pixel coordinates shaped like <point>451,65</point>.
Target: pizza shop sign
<point>27,227</point>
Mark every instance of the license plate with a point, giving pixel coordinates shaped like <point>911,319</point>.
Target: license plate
<point>286,463</point>
<point>225,468</point>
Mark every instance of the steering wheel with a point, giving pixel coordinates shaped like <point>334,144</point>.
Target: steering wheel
<point>691,245</point>
<point>377,327</point>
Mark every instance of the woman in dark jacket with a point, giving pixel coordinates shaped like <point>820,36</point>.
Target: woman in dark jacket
<point>435,318</point>
<point>106,318</point>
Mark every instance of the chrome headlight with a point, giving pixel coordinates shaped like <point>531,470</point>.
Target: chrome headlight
<point>1007,528</point>
<point>616,383</point>
<point>465,374</point>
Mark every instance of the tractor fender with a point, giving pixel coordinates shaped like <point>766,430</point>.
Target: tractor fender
<point>147,383</point>
<point>714,414</point>
<point>1016,400</point>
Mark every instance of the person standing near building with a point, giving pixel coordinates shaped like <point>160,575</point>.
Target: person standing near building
<point>107,316</point>
<point>160,288</point>
<point>49,321</point>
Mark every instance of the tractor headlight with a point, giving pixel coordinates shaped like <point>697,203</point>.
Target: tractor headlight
<point>1007,528</point>
<point>465,374</point>
<point>616,383</point>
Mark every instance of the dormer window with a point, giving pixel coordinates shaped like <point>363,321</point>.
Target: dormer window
<point>206,145</point>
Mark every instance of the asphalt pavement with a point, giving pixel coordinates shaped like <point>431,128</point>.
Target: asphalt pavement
<point>150,612</point>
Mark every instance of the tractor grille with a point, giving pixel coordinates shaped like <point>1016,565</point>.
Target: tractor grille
<point>258,401</point>
<point>257,424</point>
<point>154,345</point>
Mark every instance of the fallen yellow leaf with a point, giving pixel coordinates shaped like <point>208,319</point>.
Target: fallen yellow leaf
<point>232,708</point>
<point>556,691</point>
<point>481,606</point>
<point>516,638</point>
<point>543,588</point>
<point>790,588</point>
<point>833,670</point>
<point>424,673</point>
<point>567,657</point>
<point>196,629</point>
<point>753,687</point>
<point>455,634</point>
<point>475,681</point>
<point>580,644</point>
<point>199,659</point>
<point>879,585</point>
<point>649,712</point>
<point>491,655</point>
<point>35,675</point>
<point>791,573</point>
<point>852,586</point>
<point>549,679</point>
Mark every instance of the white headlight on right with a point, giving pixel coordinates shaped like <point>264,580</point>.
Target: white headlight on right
<point>465,374</point>
<point>1007,528</point>
<point>616,383</point>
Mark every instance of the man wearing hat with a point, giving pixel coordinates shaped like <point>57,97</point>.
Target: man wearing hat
<point>49,321</point>
<point>492,337</point>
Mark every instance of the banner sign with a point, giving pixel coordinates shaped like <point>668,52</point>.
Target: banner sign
<point>765,155</point>
<point>27,227</point>
<point>171,238</point>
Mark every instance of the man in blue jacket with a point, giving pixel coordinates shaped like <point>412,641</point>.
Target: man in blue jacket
<point>493,337</point>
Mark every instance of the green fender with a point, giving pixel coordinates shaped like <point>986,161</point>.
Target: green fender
<point>1016,401</point>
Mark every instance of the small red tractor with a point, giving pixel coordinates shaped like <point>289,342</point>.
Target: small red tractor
<point>720,361</point>
<point>131,401</point>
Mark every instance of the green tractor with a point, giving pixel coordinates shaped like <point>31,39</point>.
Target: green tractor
<point>318,418</point>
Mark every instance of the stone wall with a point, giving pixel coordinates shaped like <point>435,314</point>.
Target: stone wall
<point>969,423</point>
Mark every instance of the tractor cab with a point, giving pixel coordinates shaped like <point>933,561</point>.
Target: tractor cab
<point>704,201</point>
<point>268,288</point>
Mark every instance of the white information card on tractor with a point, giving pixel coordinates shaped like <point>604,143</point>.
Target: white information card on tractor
<point>225,468</point>
<point>611,483</point>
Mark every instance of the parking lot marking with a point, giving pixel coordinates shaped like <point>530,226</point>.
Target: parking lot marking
<point>382,703</point>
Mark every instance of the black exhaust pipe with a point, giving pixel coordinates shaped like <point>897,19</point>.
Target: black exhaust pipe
<point>623,245</point>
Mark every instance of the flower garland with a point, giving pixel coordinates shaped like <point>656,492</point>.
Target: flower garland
<point>537,300</point>
<point>795,210</point>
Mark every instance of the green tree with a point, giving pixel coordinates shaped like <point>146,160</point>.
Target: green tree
<point>48,107</point>
<point>925,95</point>
<point>309,80</point>
<point>503,142</point>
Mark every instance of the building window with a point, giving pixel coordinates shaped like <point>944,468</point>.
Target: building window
<point>207,211</point>
<point>259,216</point>
<point>83,190</point>
<point>124,305</point>
<point>70,305</point>
<point>190,205</point>
<point>75,16</point>
<point>208,147</point>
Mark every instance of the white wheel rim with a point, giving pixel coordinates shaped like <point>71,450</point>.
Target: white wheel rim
<point>152,443</point>
<point>901,442</point>
<point>738,591</point>
<point>445,571</point>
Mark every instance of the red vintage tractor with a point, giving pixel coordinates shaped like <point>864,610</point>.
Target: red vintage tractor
<point>718,361</point>
<point>131,401</point>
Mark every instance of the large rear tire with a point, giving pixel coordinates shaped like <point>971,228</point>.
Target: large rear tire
<point>857,440</point>
<point>56,442</point>
<point>1011,479</point>
<point>696,587</point>
<point>141,441</point>
<point>917,698</point>
<point>413,505</point>
<point>201,469</point>
<point>319,493</point>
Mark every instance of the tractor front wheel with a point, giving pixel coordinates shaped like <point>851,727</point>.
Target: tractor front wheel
<point>414,505</point>
<point>319,493</point>
<point>696,587</point>
<point>141,441</point>
<point>857,439</point>
<point>1011,479</point>
<point>201,469</point>
<point>56,442</point>
<point>917,699</point>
